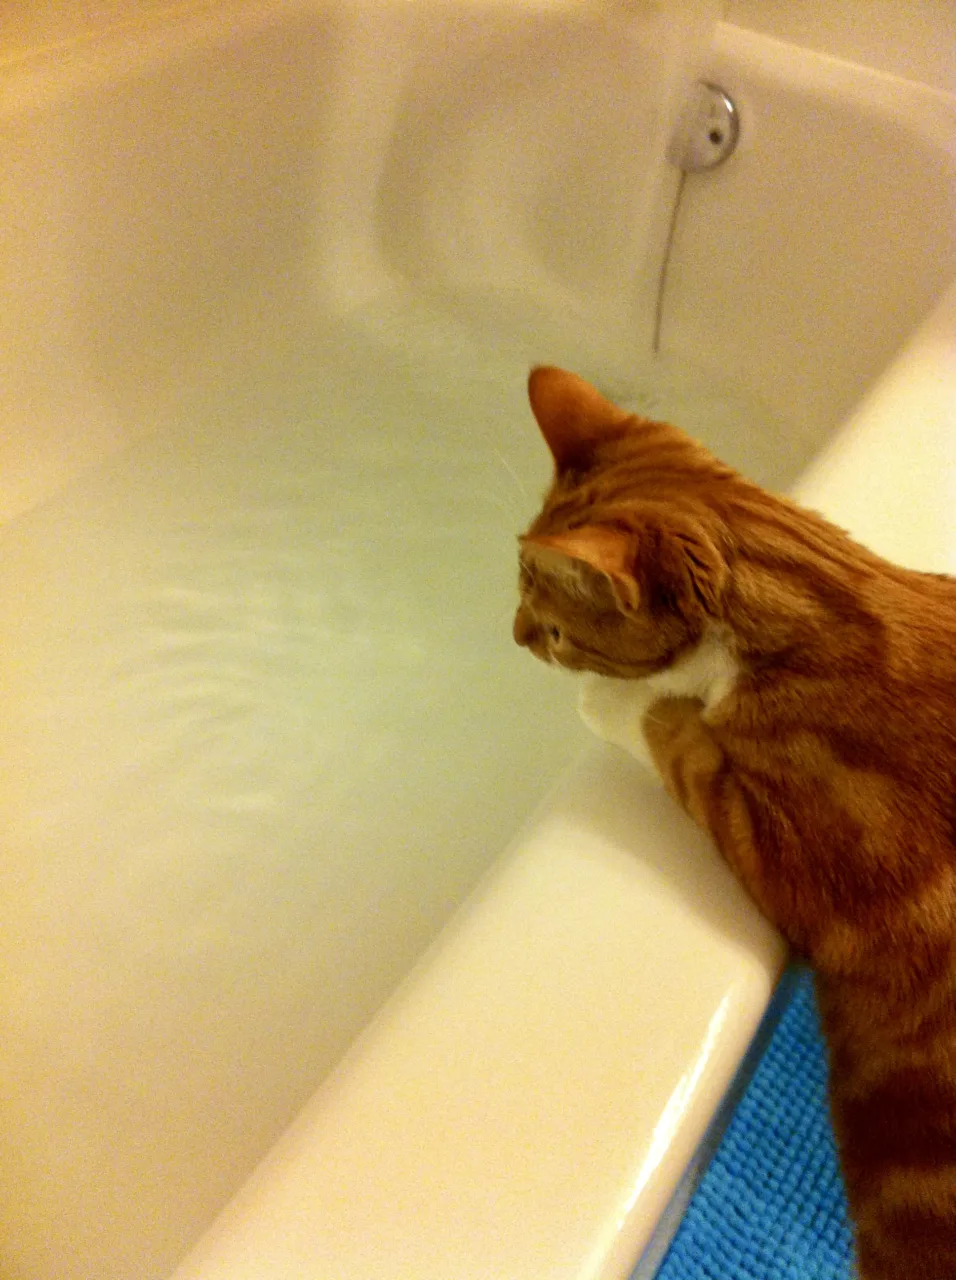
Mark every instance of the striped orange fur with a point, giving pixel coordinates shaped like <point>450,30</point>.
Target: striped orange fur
<point>825,771</point>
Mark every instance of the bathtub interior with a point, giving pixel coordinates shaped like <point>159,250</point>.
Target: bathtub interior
<point>275,277</point>
<point>266,731</point>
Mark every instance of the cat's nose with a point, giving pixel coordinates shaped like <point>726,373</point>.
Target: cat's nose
<point>525,628</point>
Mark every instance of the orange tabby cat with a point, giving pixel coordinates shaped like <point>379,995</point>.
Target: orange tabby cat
<point>797,694</point>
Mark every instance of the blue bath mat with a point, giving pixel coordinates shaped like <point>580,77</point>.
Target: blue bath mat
<point>770,1205</point>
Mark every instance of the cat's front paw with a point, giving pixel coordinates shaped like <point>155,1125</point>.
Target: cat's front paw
<point>614,710</point>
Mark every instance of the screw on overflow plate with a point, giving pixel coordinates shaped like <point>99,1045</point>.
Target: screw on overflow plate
<point>707,132</point>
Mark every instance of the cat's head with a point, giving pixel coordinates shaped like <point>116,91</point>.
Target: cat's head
<point>625,567</point>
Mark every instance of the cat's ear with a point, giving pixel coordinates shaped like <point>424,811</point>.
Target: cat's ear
<point>668,560</point>
<point>606,552</point>
<point>573,416</point>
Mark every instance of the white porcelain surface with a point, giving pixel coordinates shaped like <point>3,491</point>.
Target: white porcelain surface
<point>911,40</point>
<point>273,274</point>
<point>890,475</point>
<point>527,1104</point>
<point>263,723</point>
<point>839,205</point>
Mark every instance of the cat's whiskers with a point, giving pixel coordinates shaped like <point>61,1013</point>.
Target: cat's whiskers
<point>511,472</point>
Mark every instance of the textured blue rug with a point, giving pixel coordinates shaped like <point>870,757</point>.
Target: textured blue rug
<point>770,1205</point>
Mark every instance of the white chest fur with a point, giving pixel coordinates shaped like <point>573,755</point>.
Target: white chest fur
<point>614,709</point>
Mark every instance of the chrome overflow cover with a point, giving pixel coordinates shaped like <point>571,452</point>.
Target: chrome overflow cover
<point>708,130</point>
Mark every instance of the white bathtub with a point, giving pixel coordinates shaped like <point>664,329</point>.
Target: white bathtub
<point>273,274</point>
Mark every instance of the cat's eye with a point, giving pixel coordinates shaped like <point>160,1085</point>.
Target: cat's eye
<point>554,633</point>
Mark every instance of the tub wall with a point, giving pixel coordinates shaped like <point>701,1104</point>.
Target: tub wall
<point>174,210</point>
<point>800,267</point>
<point>334,156</point>
<point>914,40</point>
<point>540,216</point>
<point>261,733</point>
